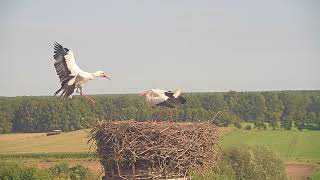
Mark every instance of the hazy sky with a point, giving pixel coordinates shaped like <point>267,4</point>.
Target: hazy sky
<point>197,45</point>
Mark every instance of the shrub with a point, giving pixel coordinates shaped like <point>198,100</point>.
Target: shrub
<point>80,172</point>
<point>60,170</point>
<point>223,170</point>
<point>247,127</point>
<point>255,162</point>
<point>237,125</point>
<point>260,125</point>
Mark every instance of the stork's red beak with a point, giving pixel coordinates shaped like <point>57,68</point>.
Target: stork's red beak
<point>105,76</point>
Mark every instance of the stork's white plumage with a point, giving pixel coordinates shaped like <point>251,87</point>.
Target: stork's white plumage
<point>71,76</point>
<point>163,98</point>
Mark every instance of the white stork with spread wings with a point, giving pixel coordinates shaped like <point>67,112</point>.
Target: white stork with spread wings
<point>163,98</point>
<point>71,76</point>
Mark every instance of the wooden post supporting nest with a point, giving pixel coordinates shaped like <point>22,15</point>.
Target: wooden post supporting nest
<point>155,150</point>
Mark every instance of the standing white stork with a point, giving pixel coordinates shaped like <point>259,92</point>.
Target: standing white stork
<point>71,76</point>
<point>163,98</point>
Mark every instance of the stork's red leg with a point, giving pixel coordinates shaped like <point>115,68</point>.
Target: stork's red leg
<point>160,114</point>
<point>171,119</point>
<point>157,118</point>
<point>88,98</point>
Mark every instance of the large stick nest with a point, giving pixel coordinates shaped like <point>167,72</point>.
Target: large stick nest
<point>131,149</point>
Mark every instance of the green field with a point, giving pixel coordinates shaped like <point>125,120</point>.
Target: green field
<point>291,145</point>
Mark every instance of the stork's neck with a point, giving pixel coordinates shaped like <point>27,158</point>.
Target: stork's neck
<point>96,74</point>
<point>92,76</point>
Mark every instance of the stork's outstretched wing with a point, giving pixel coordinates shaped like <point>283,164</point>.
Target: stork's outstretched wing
<point>65,63</point>
<point>170,99</point>
<point>66,69</point>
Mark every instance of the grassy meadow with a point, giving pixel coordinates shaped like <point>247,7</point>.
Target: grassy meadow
<point>291,145</point>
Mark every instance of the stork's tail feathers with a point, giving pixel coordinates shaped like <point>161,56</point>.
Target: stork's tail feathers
<point>69,91</point>
<point>181,100</point>
<point>57,91</point>
<point>65,84</point>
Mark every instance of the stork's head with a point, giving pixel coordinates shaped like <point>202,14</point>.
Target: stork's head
<point>101,74</point>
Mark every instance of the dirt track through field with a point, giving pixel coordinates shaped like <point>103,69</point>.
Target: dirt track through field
<point>298,171</point>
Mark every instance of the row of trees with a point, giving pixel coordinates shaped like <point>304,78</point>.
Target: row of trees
<point>280,109</point>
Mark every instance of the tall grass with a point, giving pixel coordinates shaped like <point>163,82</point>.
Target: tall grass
<point>315,175</point>
<point>222,171</point>
<point>76,155</point>
<point>63,171</point>
<point>15,171</point>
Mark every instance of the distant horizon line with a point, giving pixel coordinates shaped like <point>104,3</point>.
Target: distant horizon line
<point>186,92</point>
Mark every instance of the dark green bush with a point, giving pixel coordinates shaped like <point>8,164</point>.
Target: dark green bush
<point>255,162</point>
<point>247,127</point>
<point>260,125</point>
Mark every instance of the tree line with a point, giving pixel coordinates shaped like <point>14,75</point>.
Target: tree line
<point>279,109</point>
